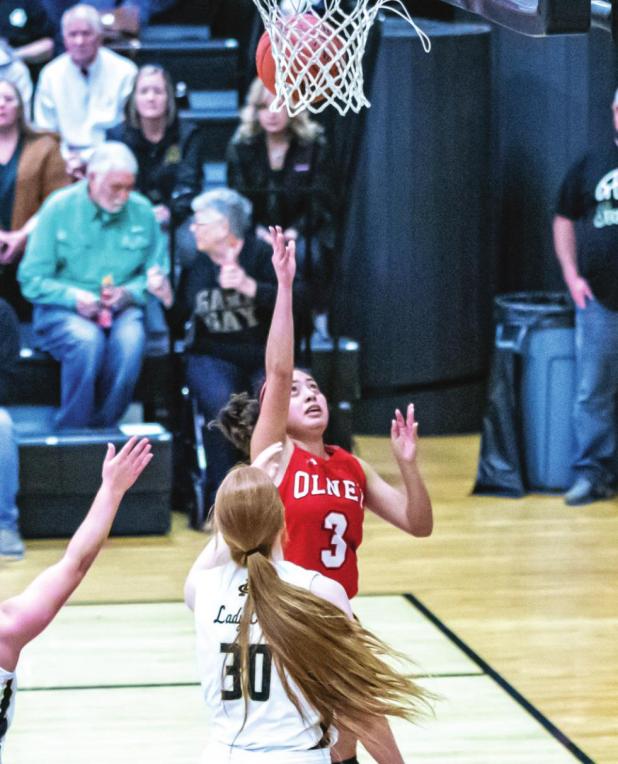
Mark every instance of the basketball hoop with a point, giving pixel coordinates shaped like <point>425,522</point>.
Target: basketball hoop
<point>320,64</point>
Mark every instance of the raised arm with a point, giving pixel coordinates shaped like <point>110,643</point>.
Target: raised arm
<point>409,509</point>
<point>279,362</point>
<point>24,616</point>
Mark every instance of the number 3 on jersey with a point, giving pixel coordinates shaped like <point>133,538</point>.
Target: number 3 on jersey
<point>334,557</point>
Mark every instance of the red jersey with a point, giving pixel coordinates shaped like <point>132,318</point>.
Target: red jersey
<point>324,513</point>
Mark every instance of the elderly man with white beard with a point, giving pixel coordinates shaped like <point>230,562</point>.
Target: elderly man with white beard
<point>85,270</point>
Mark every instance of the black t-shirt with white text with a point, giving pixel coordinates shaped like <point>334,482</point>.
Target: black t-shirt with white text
<point>223,322</point>
<point>589,197</point>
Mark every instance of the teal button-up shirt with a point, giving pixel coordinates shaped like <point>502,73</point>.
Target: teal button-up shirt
<point>76,244</point>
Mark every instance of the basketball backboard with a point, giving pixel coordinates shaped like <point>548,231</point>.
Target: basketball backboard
<point>536,18</point>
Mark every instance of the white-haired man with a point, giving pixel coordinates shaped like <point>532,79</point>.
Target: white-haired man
<point>85,270</point>
<point>81,93</point>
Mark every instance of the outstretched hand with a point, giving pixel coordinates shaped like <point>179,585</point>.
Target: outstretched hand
<point>121,470</point>
<point>404,435</point>
<point>284,257</point>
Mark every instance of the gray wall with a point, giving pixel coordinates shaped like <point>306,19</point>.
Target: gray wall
<point>461,158</point>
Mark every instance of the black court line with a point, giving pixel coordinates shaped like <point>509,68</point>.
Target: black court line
<point>180,601</point>
<point>75,687</point>
<point>165,685</point>
<point>502,682</point>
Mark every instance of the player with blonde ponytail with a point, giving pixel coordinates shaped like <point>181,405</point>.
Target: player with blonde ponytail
<point>282,660</point>
<point>325,489</point>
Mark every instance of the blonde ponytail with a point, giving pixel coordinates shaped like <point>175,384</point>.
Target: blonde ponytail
<point>342,670</point>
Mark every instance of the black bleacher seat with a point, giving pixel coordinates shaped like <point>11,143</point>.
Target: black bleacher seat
<point>215,175</point>
<point>60,472</point>
<point>38,377</point>
<point>200,64</point>
<point>216,112</point>
<point>175,32</point>
<point>218,126</point>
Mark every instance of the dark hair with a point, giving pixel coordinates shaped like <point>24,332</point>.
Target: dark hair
<point>130,109</point>
<point>237,419</point>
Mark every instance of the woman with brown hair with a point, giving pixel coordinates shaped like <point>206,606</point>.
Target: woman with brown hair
<point>167,150</point>
<point>282,661</point>
<point>31,167</point>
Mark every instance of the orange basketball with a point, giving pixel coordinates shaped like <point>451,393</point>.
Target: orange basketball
<point>308,35</point>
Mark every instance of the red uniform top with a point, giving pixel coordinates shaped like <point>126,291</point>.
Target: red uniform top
<point>323,501</point>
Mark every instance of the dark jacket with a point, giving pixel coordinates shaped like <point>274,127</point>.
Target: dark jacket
<point>300,195</point>
<point>9,349</point>
<point>170,172</point>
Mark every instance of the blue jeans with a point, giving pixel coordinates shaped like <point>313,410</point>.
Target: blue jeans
<point>596,354</point>
<point>99,367</point>
<point>212,381</point>
<point>9,473</point>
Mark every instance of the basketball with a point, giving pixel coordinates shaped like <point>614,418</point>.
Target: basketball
<point>309,45</point>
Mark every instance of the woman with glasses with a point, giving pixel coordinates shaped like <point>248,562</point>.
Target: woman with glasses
<point>223,305</point>
<point>167,151</point>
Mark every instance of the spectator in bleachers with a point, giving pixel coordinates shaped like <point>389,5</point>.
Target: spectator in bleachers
<point>85,270</point>
<point>283,166</point>
<point>145,8</point>
<point>26,27</point>
<point>227,295</point>
<point>82,92</point>
<point>31,167</point>
<point>14,70</point>
<point>11,544</point>
<point>167,150</point>
<point>169,167</point>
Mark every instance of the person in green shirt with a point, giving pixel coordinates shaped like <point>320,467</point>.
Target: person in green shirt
<point>85,270</point>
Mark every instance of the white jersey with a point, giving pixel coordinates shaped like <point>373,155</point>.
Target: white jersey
<point>273,727</point>
<point>8,688</point>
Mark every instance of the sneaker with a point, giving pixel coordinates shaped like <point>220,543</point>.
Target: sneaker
<point>584,491</point>
<point>11,544</point>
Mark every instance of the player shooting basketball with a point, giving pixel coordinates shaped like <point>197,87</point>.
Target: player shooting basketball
<point>281,658</point>
<point>24,616</point>
<point>325,489</point>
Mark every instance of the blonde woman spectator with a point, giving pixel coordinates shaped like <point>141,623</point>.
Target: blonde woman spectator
<point>283,166</point>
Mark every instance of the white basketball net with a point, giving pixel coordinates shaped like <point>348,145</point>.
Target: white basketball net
<point>320,64</point>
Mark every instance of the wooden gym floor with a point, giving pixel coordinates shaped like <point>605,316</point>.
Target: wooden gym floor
<point>509,610</point>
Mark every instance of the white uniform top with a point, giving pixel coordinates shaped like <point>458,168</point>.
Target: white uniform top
<point>273,724</point>
<point>8,689</point>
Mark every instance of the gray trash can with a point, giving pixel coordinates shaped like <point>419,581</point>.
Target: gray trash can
<point>539,326</point>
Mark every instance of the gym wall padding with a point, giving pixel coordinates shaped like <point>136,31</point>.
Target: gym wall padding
<point>416,290</point>
<point>461,159</point>
<point>550,104</point>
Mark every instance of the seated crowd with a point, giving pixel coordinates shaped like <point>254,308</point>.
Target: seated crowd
<point>100,183</point>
